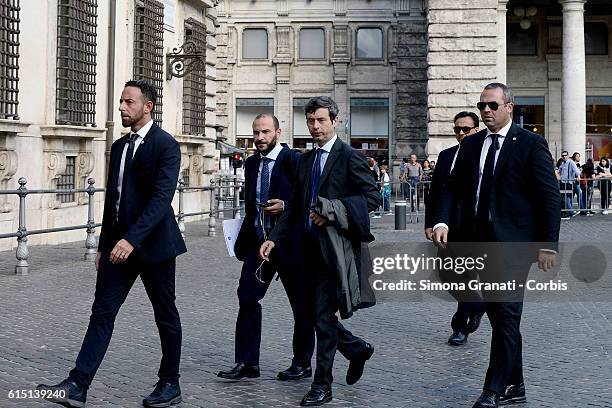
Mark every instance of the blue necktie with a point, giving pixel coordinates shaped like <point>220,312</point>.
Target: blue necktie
<point>264,189</point>
<point>486,184</point>
<point>315,177</point>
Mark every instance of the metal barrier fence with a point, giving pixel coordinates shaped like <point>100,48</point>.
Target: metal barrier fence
<point>584,196</point>
<point>220,189</point>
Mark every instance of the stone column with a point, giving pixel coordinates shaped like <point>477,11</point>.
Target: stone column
<point>501,40</point>
<point>573,79</point>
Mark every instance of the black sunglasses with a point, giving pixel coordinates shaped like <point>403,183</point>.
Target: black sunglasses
<point>465,129</point>
<point>493,105</point>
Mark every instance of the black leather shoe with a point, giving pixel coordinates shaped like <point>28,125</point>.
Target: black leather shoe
<point>240,371</point>
<point>317,396</point>
<point>457,339</point>
<point>488,399</point>
<point>295,372</point>
<point>474,323</point>
<point>164,395</point>
<point>515,394</point>
<point>67,393</point>
<point>355,369</point>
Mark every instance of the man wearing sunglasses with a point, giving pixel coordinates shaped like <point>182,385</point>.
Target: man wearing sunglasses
<point>470,307</point>
<point>506,189</point>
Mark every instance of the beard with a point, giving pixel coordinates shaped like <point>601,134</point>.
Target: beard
<point>265,148</point>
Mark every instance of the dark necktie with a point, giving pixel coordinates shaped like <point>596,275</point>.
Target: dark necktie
<point>315,177</point>
<point>264,189</point>
<point>129,155</point>
<point>486,184</point>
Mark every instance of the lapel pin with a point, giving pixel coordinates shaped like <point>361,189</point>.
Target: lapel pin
<point>514,138</point>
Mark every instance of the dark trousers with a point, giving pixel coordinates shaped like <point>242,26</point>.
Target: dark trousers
<point>331,334</point>
<point>469,302</point>
<point>248,324</point>
<point>113,284</point>
<point>504,310</point>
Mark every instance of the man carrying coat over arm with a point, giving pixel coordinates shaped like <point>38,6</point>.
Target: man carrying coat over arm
<point>332,171</point>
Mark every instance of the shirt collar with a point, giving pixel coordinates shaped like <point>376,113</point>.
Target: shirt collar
<point>503,131</point>
<point>273,154</point>
<point>142,132</point>
<point>328,146</point>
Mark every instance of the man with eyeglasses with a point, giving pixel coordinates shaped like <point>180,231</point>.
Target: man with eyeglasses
<point>505,187</point>
<point>470,307</point>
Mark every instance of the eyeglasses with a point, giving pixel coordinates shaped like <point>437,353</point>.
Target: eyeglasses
<point>465,129</point>
<point>493,105</point>
<point>564,155</point>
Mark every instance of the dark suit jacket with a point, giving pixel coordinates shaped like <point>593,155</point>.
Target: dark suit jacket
<point>440,175</point>
<point>151,225</point>
<point>281,185</point>
<point>346,173</point>
<point>525,199</point>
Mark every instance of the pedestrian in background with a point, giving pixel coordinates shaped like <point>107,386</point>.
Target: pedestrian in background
<point>604,177</point>
<point>426,180</point>
<point>385,188</point>
<point>414,172</point>
<point>586,185</point>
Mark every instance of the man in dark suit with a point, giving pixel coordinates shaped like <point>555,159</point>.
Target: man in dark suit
<point>333,170</point>
<point>268,180</point>
<point>505,185</point>
<point>139,236</point>
<point>470,307</point>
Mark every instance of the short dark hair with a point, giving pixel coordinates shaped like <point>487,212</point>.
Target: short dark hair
<point>508,96</point>
<point>574,155</point>
<point>148,91</point>
<point>466,114</point>
<point>269,115</point>
<point>322,102</point>
<point>565,152</point>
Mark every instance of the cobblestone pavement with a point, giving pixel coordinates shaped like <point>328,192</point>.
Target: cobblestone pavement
<point>43,317</point>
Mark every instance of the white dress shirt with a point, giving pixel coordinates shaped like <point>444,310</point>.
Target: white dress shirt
<point>326,150</point>
<point>139,140</point>
<point>272,155</point>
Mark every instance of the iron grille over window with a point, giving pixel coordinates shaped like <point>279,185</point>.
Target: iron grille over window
<point>194,84</point>
<point>9,61</point>
<point>149,48</point>
<point>66,181</point>
<point>185,176</point>
<point>76,62</point>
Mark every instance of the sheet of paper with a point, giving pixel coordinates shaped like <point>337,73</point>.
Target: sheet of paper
<point>231,228</point>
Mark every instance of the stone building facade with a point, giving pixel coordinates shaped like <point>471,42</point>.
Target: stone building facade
<point>63,68</point>
<point>369,56</point>
<point>438,55</point>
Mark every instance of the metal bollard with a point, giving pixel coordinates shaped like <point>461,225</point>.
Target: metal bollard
<point>400,215</point>
<point>181,213</point>
<point>212,222</point>
<point>22,253</point>
<point>90,240</point>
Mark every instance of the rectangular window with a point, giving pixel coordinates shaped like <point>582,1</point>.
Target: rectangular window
<point>520,41</point>
<point>599,126</point>
<point>312,43</point>
<point>370,126</point>
<point>185,175</point>
<point>9,63</point>
<point>596,38</point>
<point>76,62</point>
<point>529,113</point>
<point>246,110</point>
<point>301,135</point>
<point>255,43</point>
<point>194,85</point>
<point>149,48</point>
<point>67,181</point>
<point>370,43</point>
